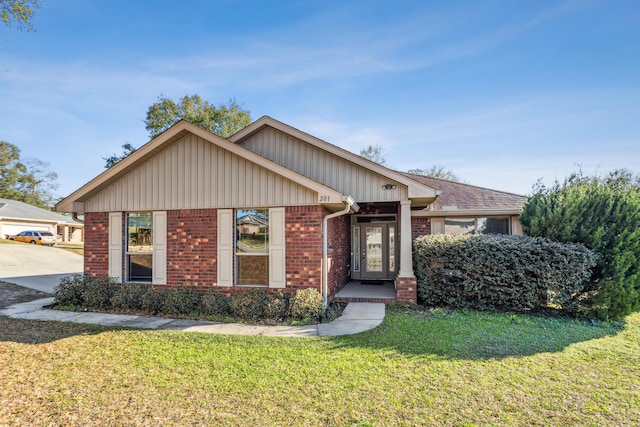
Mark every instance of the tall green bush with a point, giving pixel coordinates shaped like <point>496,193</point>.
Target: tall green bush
<point>603,213</point>
<point>499,272</point>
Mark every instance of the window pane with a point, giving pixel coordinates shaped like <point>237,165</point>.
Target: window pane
<point>496,226</point>
<point>253,270</point>
<point>252,231</point>
<point>392,248</point>
<point>374,249</point>
<point>139,232</point>
<point>140,268</point>
<point>455,226</point>
<point>356,248</point>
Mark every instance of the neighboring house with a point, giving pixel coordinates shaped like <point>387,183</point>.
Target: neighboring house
<point>270,207</point>
<point>18,216</point>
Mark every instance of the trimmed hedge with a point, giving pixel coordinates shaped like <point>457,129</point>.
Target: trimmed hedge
<point>251,305</point>
<point>500,272</point>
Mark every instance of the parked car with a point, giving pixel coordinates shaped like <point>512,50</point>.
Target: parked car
<point>35,237</point>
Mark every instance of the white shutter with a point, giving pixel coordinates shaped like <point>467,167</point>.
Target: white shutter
<point>437,225</point>
<point>277,243</point>
<point>225,247</point>
<point>115,245</point>
<point>159,248</point>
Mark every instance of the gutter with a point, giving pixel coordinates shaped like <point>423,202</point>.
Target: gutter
<point>349,206</point>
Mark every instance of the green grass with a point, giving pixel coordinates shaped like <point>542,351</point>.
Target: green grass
<point>436,368</point>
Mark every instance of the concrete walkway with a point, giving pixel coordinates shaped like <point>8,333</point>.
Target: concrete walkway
<point>356,318</point>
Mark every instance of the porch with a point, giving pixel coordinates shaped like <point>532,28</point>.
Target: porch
<point>366,291</point>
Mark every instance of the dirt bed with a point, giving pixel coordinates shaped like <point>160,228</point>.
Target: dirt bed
<point>13,294</point>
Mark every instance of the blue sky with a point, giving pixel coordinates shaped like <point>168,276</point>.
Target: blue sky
<point>501,92</point>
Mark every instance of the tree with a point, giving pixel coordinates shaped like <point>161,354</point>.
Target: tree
<point>224,120</point>
<point>602,213</point>
<point>39,184</point>
<point>18,12</point>
<point>375,153</point>
<point>437,172</point>
<point>127,150</point>
<point>28,180</point>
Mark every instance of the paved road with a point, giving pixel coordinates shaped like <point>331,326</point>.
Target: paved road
<point>37,267</point>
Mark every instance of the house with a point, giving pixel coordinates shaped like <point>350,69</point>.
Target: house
<point>16,217</point>
<point>270,207</point>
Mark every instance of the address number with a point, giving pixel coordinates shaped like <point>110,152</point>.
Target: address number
<point>324,198</point>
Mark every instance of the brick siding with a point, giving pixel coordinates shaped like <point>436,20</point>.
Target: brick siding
<point>420,226</point>
<point>192,245</point>
<point>96,244</point>
<point>303,231</point>
<point>192,248</point>
<point>339,252</point>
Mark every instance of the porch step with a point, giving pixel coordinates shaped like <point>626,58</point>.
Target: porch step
<point>364,299</point>
<point>357,291</point>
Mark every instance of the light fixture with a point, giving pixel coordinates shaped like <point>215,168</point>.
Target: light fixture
<point>389,186</point>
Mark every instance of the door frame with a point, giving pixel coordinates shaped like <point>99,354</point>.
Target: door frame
<point>389,248</point>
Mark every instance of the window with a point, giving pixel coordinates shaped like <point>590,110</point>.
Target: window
<point>252,247</point>
<point>488,225</point>
<point>139,253</point>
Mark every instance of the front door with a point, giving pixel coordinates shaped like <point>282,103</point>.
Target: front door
<point>373,251</point>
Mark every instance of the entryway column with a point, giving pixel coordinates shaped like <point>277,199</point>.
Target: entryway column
<point>406,289</point>
<point>406,259</point>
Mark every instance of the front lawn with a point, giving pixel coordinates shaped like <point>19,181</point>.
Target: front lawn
<point>437,368</point>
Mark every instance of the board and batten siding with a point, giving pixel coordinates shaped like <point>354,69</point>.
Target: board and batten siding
<point>324,167</point>
<point>195,174</point>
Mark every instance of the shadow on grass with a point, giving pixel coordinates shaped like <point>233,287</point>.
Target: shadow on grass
<point>476,335</point>
<point>38,332</point>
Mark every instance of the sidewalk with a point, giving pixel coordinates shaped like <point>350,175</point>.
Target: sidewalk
<point>356,318</point>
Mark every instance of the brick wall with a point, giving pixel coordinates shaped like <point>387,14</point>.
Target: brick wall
<point>406,289</point>
<point>420,226</point>
<point>303,229</point>
<point>192,248</point>
<point>339,252</point>
<point>192,236</point>
<point>96,244</point>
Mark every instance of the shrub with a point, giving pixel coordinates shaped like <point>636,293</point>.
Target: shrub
<point>499,272</point>
<point>214,303</point>
<point>152,300</point>
<point>70,290</point>
<point>181,300</point>
<point>97,293</point>
<point>278,306</point>
<point>603,213</point>
<point>307,304</point>
<point>128,296</point>
<point>249,305</point>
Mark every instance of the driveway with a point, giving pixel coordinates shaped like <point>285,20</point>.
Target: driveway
<point>37,267</point>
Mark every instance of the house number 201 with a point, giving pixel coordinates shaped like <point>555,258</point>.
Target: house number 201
<point>325,198</point>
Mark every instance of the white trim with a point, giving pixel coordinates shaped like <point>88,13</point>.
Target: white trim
<point>115,245</point>
<point>159,257</point>
<point>226,249</point>
<point>466,212</point>
<point>406,241</point>
<point>277,248</point>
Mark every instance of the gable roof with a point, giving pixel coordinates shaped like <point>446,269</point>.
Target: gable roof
<point>458,198</point>
<point>75,201</point>
<point>13,209</point>
<point>416,189</point>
